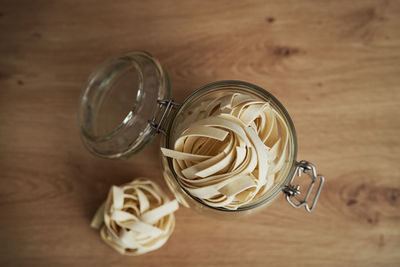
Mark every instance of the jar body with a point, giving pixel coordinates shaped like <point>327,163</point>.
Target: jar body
<point>178,123</point>
<point>126,102</point>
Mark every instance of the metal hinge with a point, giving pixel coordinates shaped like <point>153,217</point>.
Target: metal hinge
<point>292,191</point>
<point>165,108</point>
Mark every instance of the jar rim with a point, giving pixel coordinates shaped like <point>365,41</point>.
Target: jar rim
<point>237,84</point>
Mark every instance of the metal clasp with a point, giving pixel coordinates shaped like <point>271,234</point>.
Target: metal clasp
<point>165,108</point>
<point>292,191</point>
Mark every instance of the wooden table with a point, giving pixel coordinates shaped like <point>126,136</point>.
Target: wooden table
<point>335,65</point>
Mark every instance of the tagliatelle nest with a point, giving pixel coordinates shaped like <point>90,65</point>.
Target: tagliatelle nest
<point>138,217</point>
<point>230,150</point>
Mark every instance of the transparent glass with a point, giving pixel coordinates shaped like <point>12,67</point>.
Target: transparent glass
<point>118,100</point>
<point>207,93</point>
<point>122,96</point>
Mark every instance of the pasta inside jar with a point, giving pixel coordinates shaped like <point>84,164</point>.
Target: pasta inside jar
<point>229,150</point>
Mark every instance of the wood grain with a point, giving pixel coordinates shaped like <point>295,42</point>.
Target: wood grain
<point>333,64</point>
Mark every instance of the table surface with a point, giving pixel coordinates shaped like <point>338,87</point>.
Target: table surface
<point>335,65</point>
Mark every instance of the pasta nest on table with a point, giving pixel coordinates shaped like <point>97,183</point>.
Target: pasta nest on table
<point>138,217</point>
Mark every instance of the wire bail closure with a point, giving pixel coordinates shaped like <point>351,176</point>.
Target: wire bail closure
<point>292,191</point>
<point>165,108</point>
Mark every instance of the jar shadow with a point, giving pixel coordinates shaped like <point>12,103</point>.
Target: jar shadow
<point>98,175</point>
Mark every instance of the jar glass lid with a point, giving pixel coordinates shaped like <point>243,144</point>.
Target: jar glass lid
<point>118,101</point>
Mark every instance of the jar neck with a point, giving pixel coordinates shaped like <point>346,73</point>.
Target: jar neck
<point>215,89</point>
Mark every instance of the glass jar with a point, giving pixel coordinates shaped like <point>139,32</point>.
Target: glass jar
<point>126,102</point>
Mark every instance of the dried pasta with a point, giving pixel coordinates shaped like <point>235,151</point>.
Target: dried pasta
<point>138,217</point>
<point>231,151</point>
